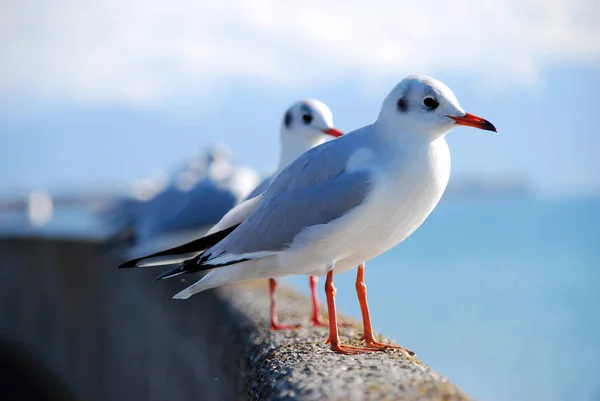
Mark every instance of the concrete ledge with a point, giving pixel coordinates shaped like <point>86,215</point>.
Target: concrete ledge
<point>115,335</point>
<point>299,365</point>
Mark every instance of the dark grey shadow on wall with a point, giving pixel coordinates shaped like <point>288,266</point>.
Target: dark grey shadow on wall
<point>23,377</point>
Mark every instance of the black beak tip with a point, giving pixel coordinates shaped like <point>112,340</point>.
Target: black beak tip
<point>488,126</point>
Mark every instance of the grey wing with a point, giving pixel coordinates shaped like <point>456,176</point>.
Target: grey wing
<point>314,189</point>
<point>262,187</point>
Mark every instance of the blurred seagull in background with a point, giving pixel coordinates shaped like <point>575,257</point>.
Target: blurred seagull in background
<point>197,196</point>
<point>341,203</point>
<point>123,213</point>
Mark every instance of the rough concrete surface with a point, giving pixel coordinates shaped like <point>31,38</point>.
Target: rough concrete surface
<point>298,365</point>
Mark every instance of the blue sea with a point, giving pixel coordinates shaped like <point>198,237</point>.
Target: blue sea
<point>502,296</point>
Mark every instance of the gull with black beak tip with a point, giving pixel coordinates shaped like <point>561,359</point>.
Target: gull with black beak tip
<point>306,124</point>
<point>345,202</point>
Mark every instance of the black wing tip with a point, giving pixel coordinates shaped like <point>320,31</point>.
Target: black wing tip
<point>161,276</point>
<point>233,262</point>
<point>199,244</point>
<point>169,273</point>
<point>129,264</point>
<point>189,266</point>
<point>195,265</point>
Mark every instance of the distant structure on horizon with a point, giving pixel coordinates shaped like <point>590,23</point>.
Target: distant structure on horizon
<point>490,186</point>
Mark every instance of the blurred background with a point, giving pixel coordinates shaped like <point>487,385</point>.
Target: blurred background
<point>112,113</point>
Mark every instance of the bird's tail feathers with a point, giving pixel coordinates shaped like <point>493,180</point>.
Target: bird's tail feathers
<point>180,253</point>
<point>235,273</point>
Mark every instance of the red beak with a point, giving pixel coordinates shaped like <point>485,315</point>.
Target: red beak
<point>473,121</point>
<point>333,132</point>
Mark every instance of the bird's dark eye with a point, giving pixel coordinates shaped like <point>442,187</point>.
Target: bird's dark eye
<point>287,120</point>
<point>307,118</point>
<point>430,103</point>
<point>401,104</point>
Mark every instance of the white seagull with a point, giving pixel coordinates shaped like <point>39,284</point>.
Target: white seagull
<point>341,203</point>
<point>306,124</point>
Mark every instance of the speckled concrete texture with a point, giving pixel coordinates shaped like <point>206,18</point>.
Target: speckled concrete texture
<point>298,365</point>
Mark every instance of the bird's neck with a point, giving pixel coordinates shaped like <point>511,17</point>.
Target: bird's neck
<point>294,146</point>
<point>401,136</point>
<point>413,154</point>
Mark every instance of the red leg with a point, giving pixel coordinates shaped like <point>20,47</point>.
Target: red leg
<point>368,336</point>
<point>334,338</point>
<point>274,321</point>
<point>316,319</point>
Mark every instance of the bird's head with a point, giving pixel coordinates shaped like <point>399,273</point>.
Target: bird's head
<point>426,106</point>
<point>308,119</point>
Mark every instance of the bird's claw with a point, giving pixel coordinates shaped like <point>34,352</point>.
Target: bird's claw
<point>277,326</point>
<point>373,343</point>
<point>349,349</point>
<point>317,321</point>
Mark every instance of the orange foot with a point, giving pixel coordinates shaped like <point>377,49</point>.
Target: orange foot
<point>349,349</point>
<point>367,348</point>
<point>373,343</point>
<point>277,326</point>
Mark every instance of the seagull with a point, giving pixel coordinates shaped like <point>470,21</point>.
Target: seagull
<point>123,213</point>
<point>306,124</point>
<point>342,203</point>
<point>195,186</point>
<point>198,194</point>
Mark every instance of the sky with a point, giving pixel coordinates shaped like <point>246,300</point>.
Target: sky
<point>101,93</point>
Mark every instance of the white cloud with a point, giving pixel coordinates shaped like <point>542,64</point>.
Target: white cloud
<point>147,50</point>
